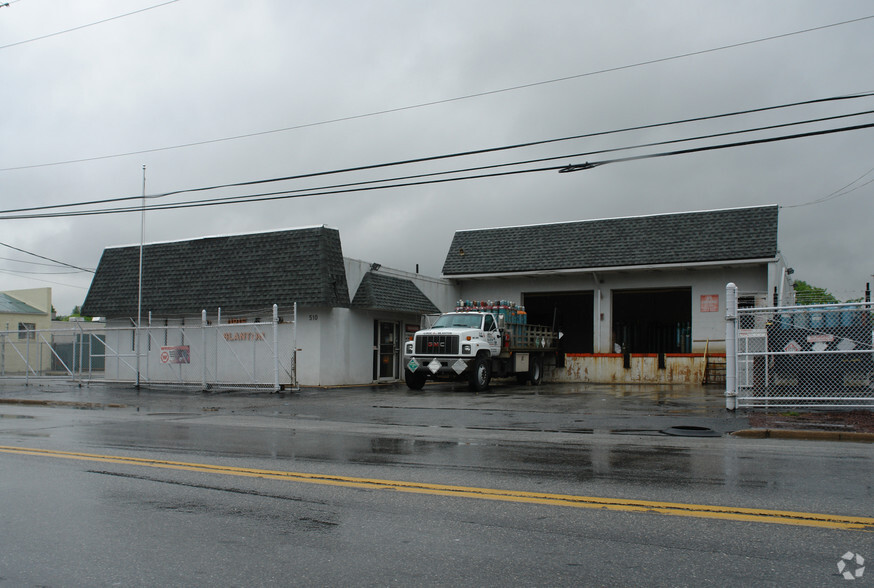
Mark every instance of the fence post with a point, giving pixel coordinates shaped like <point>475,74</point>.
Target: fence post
<point>731,346</point>
<point>27,358</point>
<point>275,348</point>
<point>203,349</point>
<point>295,385</point>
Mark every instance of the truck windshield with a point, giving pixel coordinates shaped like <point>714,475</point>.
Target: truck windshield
<point>470,321</point>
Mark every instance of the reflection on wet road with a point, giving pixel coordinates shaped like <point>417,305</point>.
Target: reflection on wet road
<point>665,508</point>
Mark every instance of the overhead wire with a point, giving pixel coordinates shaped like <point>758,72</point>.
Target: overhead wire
<point>531,161</point>
<point>282,195</point>
<point>85,26</point>
<point>430,103</point>
<point>492,150</point>
<point>837,193</point>
<point>45,281</point>
<point>47,258</point>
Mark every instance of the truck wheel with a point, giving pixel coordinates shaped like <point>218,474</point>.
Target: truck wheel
<point>481,374</point>
<point>415,380</point>
<point>535,370</point>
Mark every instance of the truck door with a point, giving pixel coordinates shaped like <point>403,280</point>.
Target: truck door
<point>493,337</point>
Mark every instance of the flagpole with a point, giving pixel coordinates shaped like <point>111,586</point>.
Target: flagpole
<point>140,281</point>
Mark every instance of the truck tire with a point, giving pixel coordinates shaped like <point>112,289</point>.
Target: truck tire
<point>535,370</point>
<point>481,374</point>
<point>415,380</point>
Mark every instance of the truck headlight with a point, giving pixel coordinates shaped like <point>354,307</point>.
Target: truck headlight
<point>465,349</point>
<point>409,347</point>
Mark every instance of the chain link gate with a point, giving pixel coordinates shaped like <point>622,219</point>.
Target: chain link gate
<point>203,354</point>
<point>812,356</point>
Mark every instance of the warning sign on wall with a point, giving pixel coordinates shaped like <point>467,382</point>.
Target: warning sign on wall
<point>710,303</point>
<point>178,354</point>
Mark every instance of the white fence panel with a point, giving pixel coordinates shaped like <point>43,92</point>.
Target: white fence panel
<point>206,355</point>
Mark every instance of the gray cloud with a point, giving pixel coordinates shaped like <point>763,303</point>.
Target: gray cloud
<point>195,71</point>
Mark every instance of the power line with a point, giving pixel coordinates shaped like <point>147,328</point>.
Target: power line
<point>85,26</point>
<point>560,168</point>
<point>496,149</point>
<point>837,193</point>
<point>433,102</point>
<point>28,262</point>
<point>44,281</point>
<point>542,159</point>
<point>47,258</point>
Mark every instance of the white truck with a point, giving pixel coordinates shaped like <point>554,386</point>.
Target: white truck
<point>476,344</point>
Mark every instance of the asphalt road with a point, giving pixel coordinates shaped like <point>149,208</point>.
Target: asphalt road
<point>380,486</point>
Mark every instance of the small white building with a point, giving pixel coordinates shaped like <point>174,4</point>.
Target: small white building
<point>23,315</point>
<point>236,279</point>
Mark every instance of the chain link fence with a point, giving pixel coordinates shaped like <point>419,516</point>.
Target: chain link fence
<point>238,353</point>
<point>813,356</point>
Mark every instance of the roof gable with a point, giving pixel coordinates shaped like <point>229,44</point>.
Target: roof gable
<point>690,237</point>
<point>238,272</point>
<point>10,305</point>
<point>382,292</point>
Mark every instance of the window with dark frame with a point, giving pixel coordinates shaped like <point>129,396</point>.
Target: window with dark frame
<point>27,330</point>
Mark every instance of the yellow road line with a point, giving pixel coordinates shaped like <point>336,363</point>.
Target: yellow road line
<point>619,504</point>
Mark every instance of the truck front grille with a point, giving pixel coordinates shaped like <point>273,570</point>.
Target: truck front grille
<point>437,345</point>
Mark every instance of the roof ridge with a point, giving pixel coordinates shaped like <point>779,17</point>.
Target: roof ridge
<point>222,236</point>
<point>593,220</point>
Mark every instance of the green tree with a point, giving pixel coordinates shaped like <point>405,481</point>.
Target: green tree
<point>808,294</point>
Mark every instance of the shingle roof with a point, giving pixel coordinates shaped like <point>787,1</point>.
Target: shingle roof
<point>689,237</point>
<point>238,272</point>
<point>10,305</point>
<point>382,292</point>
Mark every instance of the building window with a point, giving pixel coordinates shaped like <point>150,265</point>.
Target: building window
<point>27,330</point>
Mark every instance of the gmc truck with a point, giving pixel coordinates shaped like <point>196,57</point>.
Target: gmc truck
<point>475,344</point>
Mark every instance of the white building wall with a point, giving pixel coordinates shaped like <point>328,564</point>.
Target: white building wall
<point>706,282</point>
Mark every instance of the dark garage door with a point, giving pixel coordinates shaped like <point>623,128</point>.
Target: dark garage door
<point>653,321</point>
<point>570,312</point>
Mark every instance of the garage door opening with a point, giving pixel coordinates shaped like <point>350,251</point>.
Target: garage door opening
<point>570,312</point>
<point>653,321</point>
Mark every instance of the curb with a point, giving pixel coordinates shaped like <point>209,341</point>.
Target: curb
<point>804,435</point>
<point>31,402</point>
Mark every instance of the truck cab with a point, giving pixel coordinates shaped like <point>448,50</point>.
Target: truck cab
<point>457,344</point>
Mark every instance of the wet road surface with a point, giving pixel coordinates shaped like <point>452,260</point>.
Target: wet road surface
<point>104,521</point>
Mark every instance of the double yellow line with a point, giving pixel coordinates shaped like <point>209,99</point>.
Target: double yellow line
<point>667,508</point>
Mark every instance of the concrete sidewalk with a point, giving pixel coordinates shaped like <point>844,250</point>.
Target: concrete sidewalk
<point>621,409</point>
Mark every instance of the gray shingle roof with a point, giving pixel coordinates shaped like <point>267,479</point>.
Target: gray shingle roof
<point>238,272</point>
<point>381,292</point>
<point>689,237</point>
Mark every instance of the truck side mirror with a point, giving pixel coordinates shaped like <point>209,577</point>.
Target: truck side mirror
<point>500,321</point>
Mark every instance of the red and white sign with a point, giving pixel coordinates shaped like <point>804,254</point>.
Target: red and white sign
<point>792,347</point>
<point>710,303</point>
<point>824,338</point>
<point>178,354</point>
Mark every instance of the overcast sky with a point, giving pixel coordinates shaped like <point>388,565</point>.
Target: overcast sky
<point>349,83</point>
